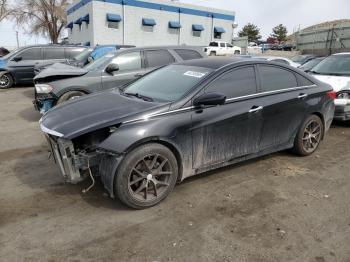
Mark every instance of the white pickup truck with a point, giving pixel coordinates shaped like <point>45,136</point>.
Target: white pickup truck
<point>222,48</point>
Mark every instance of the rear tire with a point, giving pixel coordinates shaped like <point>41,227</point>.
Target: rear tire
<point>309,136</point>
<point>6,81</point>
<point>70,96</point>
<point>237,52</point>
<point>146,176</point>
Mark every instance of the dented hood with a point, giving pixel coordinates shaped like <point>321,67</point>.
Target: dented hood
<point>89,113</point>
<point>60,69</point>
<point>337,82</point>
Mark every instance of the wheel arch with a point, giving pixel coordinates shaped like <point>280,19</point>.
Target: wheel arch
<point>321,116</point>
<point>165,142</point>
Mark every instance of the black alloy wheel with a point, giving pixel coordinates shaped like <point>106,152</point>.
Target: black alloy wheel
<point>6,81</point>
<point>146,176</point>
<point>309,136</point>
<point>312,136</point>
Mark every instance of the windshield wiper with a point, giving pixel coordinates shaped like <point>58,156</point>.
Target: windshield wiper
<point>145,98</point>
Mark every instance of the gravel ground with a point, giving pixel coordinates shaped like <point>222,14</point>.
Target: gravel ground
<point>276,208</point>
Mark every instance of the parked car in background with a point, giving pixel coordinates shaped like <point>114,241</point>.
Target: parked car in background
<point>278,59</point>
<point>218,48</point>
<point>265,47</point>
<point>185,119</point>
<point>3,51</point>
<point>311,64</point>
<point>335,71</point>
<point>59,83</point>
<point>253,48</point>
<point>82,59</point>
<point>17,67</point>
<point>302,59</point>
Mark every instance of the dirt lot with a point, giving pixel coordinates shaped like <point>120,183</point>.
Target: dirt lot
<point>276,208</point>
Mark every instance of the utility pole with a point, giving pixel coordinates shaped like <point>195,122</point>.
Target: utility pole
<point>17,39</point>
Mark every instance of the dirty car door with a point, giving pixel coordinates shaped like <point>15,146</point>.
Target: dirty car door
<point>232,130</point>
<point>23,68</point>
<point>130,68</point>
<point>284,105</point>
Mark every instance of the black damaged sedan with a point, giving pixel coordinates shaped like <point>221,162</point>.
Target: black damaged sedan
<point>185,119</point>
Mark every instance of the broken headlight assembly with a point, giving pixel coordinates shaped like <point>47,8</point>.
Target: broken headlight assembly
<point>43,88</point>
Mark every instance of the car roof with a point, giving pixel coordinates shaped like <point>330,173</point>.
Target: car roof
<point>213,63</point>
<point>54,45</point>
<point>161,47</point>
<point>344,53</point>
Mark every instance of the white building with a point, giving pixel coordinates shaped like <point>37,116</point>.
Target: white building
<point>146,23</point>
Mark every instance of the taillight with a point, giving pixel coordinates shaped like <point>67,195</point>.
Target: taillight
<point>332,95</point>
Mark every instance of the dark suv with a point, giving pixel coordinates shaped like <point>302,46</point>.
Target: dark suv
<point>17,67</point>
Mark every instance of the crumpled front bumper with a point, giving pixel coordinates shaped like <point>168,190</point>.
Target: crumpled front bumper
<point>342,109</point>
<point>64,155</point>
<point>72,165</point>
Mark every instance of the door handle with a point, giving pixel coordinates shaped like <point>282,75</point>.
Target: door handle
<point>301,96</point>
<point>256,109</point>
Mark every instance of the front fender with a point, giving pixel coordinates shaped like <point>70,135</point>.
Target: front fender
<point>173,131</point>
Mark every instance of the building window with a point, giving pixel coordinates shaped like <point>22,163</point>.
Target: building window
<point>114,25</point>
<point>173,31</point>
<point>218,31</point>
<point>217,35</point>
<point>197,30</point>
<point>197,33</point>
<point>113,20</point>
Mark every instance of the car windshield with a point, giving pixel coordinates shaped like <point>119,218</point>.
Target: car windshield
<point>334,65</point>
<point>168,84</point>
<point>83,56</point>
<point>214,44</point>
<point>100,63</point>
<point>311,64</point>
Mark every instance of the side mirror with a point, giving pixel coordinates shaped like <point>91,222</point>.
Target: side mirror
<point>112,68</point>
<point>17,58</point>
<point>209,99</point>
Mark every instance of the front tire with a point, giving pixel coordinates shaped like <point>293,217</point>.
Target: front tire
<point>6,81</point>
<point>146,176</point>
<point>309,136</point>
<point>70,96</point>
<point>212,53</point>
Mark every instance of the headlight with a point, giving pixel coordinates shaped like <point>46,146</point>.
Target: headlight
<point>343,95</point>
<point>43,88</point>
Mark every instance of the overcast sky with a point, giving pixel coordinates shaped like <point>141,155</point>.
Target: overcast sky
<point>264,13</point>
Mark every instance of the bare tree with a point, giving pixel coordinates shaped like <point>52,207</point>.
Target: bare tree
<point>5,11</point>
<point>42,17</point>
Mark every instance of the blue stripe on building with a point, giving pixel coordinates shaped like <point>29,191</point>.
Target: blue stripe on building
<point>154,6</point>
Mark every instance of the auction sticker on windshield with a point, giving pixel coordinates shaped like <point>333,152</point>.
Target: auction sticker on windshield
<point>194,74</point>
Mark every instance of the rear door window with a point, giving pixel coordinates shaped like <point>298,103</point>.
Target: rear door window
<point>33,53</point>
<point>54,53</point>
<point>71,52</point>
<point>158,58</point>
<point>186,54</point>
<point>274,78</point>
<point>129,61</point>
<point>235,83</point>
